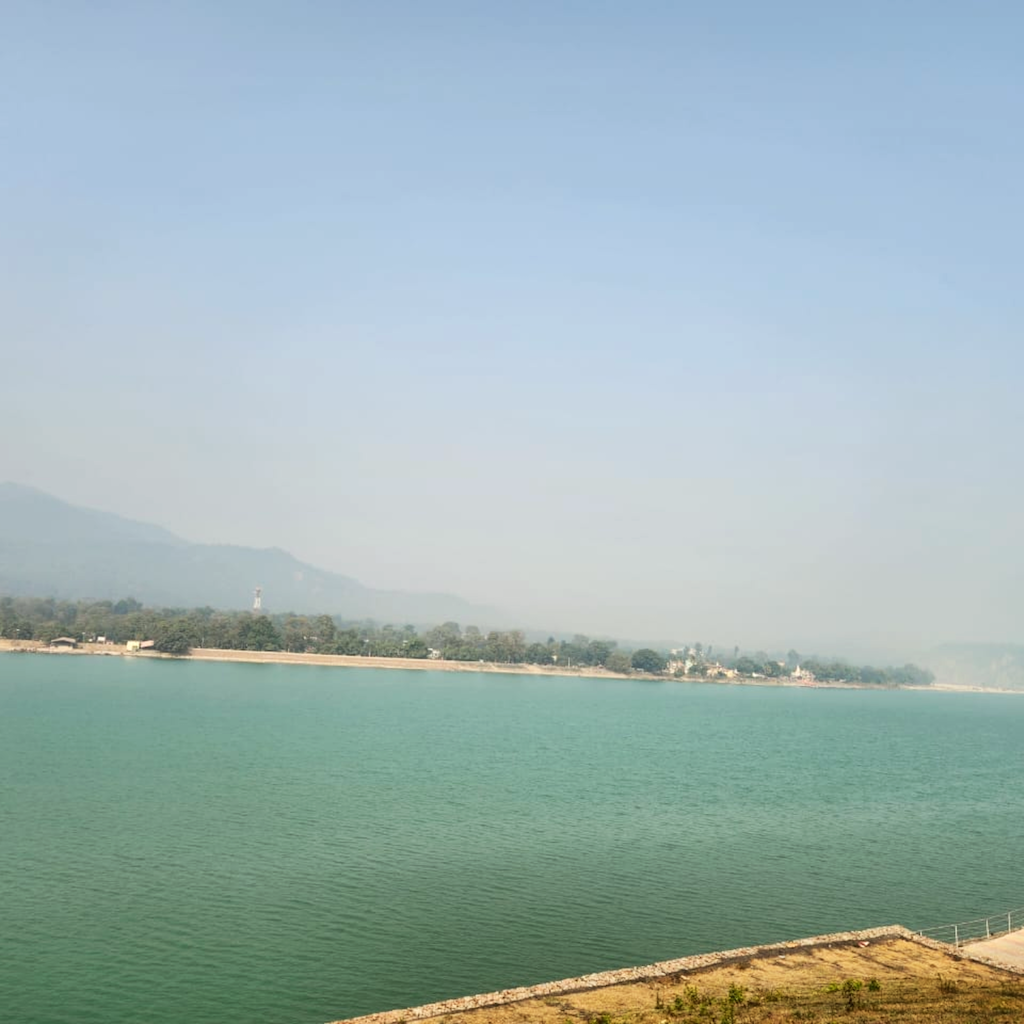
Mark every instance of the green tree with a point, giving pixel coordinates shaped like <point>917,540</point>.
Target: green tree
<point>495,647</point>
<point>258,634</point>
<point>325,630</point>
<point>174,637</point>
<point>415,648</point>
<point>618,661</point>
<point>446,638</point>
<point>293,635</point>
<point>10,622</point>
<point>646,660</point>
<point>46,631</point>
<point>537,654</point>
<point>515,646</point>
<point>348,641</point>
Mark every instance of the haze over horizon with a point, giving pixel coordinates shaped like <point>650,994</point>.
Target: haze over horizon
<point>655,321</point>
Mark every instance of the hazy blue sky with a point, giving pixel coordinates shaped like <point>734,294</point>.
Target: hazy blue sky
<point>695,320</point>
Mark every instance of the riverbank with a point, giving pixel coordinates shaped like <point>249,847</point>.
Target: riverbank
<point>439,665</point>
<point>332,660</point>
<point>882,974</point>
<point>416,664</point>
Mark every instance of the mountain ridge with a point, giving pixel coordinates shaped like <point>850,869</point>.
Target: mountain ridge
<point>50,547</point>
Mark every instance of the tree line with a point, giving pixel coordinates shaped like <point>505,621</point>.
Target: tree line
<point>833,671</point>
<point>178,630</point>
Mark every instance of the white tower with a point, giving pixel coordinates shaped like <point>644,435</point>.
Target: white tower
<point>257,600</point>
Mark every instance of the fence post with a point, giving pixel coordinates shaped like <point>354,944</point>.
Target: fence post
<point>988,933</point>
<point>956,935</point>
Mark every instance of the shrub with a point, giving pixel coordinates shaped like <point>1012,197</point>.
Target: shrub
<point>850,989</point>
<point>737,994</point>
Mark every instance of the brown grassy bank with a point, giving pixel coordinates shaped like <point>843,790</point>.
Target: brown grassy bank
<point>892,979</point>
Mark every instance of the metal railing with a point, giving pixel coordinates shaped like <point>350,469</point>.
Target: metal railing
<point>978,930</point>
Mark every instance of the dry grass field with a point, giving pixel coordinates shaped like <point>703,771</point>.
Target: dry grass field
<point>891,981</point>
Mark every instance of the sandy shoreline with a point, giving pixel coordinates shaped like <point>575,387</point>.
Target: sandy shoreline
<point>417,664</point>
<point>331,660</point>
<point>432,665</point>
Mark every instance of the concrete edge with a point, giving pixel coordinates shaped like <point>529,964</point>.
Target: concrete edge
<point>964,953</point>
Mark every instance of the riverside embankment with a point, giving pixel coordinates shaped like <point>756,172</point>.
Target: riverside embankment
<point>334,660</point>
<point>891,950</point>
<point>439,665</point>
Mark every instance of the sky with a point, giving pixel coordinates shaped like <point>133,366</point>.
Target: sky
<point>694,321</point>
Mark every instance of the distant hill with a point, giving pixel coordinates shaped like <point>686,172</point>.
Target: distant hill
<point>49,548</point>
<point>997,666</point>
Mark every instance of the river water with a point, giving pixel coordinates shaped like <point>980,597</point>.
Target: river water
<point>239,844</point>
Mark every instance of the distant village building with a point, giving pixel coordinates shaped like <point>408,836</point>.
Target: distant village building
<point>719,671</point>
<point>712,670</point>
<point>132,646</point>
<point>63,641</point>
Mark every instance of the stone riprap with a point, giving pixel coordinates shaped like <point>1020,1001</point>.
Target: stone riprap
<point>627,975</point>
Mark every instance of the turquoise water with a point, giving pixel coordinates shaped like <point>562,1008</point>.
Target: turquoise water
<point>261,843</point>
